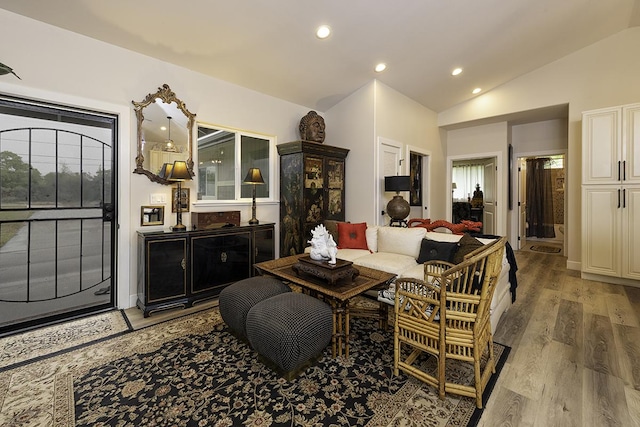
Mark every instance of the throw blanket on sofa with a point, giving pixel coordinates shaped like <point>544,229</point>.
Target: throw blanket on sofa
<point>511,258</point>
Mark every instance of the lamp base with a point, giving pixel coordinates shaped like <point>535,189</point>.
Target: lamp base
<point>179,227</point>
<point>254,221</point>
<point>398,208</point>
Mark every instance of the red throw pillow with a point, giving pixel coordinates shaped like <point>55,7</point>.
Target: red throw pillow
<point>352,236</point>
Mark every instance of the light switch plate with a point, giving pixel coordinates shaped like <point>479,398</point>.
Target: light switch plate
<point>158,198</point>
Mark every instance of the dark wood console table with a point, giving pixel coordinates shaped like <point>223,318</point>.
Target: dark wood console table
<point>177,269</point>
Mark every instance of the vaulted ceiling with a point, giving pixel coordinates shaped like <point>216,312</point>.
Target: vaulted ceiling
<point>270,45</point>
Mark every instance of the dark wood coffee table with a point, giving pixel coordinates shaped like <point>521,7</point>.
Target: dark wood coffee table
<point>337,293</point>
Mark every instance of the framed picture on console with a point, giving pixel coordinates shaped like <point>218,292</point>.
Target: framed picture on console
<point>415,175</point>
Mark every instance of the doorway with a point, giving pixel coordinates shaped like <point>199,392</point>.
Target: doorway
<point>57,213</point>
<point>541,197</point>
<point>475,191</point>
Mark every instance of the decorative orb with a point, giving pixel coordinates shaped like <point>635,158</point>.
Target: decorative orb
<point>398,208</point>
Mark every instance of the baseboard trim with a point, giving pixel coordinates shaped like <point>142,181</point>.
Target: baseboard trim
<point>610,279</point>
<point>574,265</point>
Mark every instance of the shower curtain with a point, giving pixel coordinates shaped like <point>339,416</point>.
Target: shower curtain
<point>539,199</point>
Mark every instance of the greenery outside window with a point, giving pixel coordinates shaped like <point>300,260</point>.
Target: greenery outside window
<point>225,156</point>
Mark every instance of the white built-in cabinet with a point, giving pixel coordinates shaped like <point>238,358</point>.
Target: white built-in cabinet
<point>611,192</point>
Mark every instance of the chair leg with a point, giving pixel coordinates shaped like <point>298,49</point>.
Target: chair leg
<point>396,351</point>
<point>478,381</point>
<point>442,365</point>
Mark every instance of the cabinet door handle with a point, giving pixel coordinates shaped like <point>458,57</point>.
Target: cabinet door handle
<point>618,198</point>
<point>624,197</point>
<point>618,171</point>
<point>183,264</point>
<point>223,257</point>
<point>624,170</point>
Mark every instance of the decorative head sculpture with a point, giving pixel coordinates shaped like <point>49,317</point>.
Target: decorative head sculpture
<point>312,127</point>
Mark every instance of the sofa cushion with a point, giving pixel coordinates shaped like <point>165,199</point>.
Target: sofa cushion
<point>372,237</point>
<point>352,236</point>
<point>443,237</point>
<point>415,272</point>
<point>352,254</point>
<point>467,245</point>
<point>431,250</point>
<point>390,262</point>
<point>404,241</point>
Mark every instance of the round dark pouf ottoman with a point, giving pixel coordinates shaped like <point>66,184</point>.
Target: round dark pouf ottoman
<point>289,330</point>
<point>236,300</point>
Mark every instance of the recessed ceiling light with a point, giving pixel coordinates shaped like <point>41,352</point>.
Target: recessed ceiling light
<point>456,71</point>
<point>380,67</point>
<point>323,31</point>
<point>476,90</point>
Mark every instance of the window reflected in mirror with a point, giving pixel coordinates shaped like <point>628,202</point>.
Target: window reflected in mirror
<point>151,215</point>
<point>224,157</point>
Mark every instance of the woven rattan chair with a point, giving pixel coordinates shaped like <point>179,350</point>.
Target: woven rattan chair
<point>447,315</point>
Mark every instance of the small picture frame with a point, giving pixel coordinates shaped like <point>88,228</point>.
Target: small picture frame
<point>151,215</point>
<point>184,200</point>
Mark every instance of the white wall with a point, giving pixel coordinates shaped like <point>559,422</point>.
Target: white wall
<point>543,136</point>
<point>61,66</point>
<point>375,111</point>
<point>601,75</point>
<point>401,119</point>
<point>350,124</point>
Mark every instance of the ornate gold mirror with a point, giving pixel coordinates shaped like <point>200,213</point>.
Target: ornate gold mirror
<point>165,132</point>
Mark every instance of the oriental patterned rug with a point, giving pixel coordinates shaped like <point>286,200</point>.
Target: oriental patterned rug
<point>26,346</point>
<point>191,372</point>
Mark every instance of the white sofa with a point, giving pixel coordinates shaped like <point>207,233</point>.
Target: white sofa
<point>396,250</point>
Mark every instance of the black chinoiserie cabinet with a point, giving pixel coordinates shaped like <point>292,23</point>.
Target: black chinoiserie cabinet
<point>311,190</point>
<point>177,269</point>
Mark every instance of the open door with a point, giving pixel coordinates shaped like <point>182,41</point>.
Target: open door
<point>489,211</point>
<point>389,153</point>
<point>522,203</point>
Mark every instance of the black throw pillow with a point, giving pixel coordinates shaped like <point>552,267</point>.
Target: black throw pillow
<point>431,250</point>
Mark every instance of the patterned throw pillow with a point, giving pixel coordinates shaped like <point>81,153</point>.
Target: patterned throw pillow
<point>352,236</point>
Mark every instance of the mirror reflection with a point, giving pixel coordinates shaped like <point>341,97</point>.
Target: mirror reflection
<point>164,133</point>
<point>152,215</point>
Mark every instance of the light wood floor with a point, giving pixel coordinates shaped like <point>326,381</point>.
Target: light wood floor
<point>575,358</point>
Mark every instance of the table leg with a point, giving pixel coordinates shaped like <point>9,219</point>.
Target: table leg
<point>340,337</point>
<point>346,330</point>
